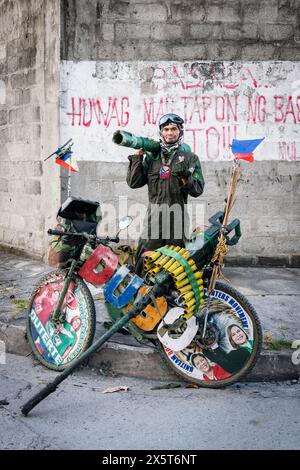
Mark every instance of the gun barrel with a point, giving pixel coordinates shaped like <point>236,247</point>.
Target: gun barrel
<point>127,139</point>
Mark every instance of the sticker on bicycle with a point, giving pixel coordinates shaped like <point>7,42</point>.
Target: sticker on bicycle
<point>221,348</point>
<point>58,344</point>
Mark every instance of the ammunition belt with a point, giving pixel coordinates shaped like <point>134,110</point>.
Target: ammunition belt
<point>188,280</point>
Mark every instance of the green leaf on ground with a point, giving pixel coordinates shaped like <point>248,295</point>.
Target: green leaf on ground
<point>20,305</point>
<point>276,344</point>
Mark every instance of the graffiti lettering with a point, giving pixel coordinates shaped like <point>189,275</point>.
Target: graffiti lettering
<point>153,111</point>
<point>256,109</point>
<point>289,151</point>
<point>218,101</point>
<point>87,111</point>
<point>216,140</point>
<point>287,109</point>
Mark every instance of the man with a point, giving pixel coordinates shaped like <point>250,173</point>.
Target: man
<point>173,174</point>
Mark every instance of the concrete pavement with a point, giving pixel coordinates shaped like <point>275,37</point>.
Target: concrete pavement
<point>79,415</point>
<point>274,292</point>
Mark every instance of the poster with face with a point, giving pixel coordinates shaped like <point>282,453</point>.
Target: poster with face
<point>227,345</point>
<point>58,345</point>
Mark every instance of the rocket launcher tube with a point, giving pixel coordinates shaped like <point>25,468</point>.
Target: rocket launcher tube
<point>127,139</point>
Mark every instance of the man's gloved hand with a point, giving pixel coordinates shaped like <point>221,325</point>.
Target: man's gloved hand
<point>140,152</point>
<point>180,170</point>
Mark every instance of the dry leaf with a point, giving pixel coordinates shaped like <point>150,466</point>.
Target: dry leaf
<point>192,386</point>
<point>116,389</point>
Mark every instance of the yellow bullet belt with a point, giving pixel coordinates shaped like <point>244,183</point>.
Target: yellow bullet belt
<point>188,280</point>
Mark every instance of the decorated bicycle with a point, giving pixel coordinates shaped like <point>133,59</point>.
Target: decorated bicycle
<point>204,329</point>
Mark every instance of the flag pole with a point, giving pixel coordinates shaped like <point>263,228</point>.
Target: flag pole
<point>221,248</point>
<point>69,181</point>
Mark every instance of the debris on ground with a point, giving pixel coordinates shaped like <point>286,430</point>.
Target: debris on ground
<point>116,389</point>
<point>162,387</point>
<point>4,402</point>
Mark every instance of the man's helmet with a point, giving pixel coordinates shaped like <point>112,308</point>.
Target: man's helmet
<point>171,118</point>
<point>164,121</point>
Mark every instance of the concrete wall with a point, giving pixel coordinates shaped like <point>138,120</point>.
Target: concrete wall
<point>134,30</point>
<point>29,122</point>
<point>179,30</point>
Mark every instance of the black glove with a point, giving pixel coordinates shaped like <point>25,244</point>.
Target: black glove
<point>180,170</point>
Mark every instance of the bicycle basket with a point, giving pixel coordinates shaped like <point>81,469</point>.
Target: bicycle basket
<point>77,215</point>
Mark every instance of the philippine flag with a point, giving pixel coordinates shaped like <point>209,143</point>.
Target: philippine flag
<point>243,149</point>
<point>68,161</point>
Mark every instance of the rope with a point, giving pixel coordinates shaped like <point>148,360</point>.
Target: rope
<point>221,248</point>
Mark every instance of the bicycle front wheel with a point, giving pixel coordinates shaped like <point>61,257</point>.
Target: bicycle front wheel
<point>225,348</point>
<point>57,346</point>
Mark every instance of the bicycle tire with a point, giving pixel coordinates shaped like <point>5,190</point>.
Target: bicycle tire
<point>180,361</point>
<point>64,345</point>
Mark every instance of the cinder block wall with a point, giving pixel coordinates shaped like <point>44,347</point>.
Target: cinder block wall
<point>268,201</point>
<point>29,121</point>
<point>180,30</point>
<point>30,33</point>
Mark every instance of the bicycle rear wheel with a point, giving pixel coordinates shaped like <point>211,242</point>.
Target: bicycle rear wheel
<point>57,347</point>
<point>230,347</point>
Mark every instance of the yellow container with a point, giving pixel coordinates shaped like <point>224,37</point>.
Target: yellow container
<point>182,283</point>
<point>174,267</point>
<point>181,276</point>
<point>187,288</point>
<point>193,266</point>
<point>189,303</point>
<point>169,263</point>
<point>161,261</point>
<point>155,270</point>
<point>198,275</point>
<point>148,264</point>
<point>159,258</point>
<point>177,271</point>
<point>188,296</point>
<point>189,311</point>
<point>153,256</point>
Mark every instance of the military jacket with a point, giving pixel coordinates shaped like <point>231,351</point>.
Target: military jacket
<point>169,191</point>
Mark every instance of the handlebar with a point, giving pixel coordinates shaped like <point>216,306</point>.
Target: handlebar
<point>217,221</point>
<point>85,235</point>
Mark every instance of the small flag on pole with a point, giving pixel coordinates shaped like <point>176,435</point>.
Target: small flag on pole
<point>243,149</point>
<point>68,161</point>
